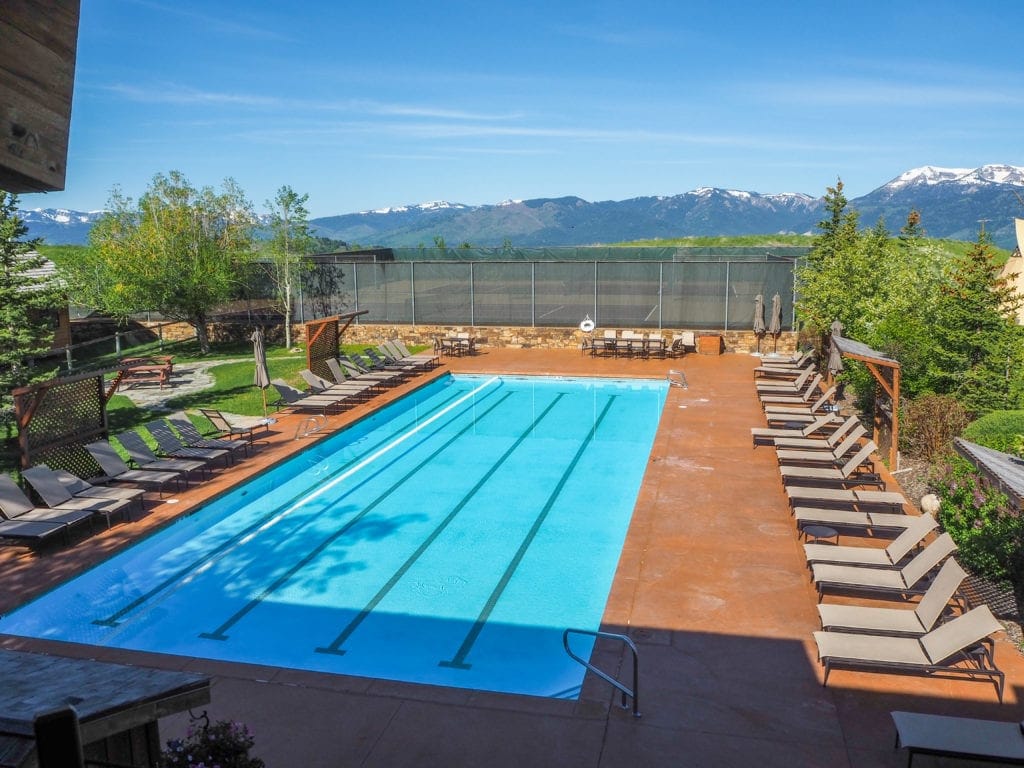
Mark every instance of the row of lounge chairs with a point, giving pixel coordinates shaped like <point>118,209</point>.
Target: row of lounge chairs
<point>616,343</point>
<point>355,379</point>
<point>826,466</point>
<point>182,455</point>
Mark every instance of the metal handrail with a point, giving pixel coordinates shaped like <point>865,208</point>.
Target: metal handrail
<point>310,425</point>
<point>626,692</point>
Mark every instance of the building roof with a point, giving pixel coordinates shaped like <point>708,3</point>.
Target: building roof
<point>1004,470</point>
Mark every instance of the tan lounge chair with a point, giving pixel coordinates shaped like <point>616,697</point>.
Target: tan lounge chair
<point>898,621</point>
<point>962,738</point>
<point>832,455</point>
<point>850,518</point>
<point>905,581</point>
<point>776,411</point>
<point>845,498</point>
<point>800,397</point>
<point>791,387</point>
<point>822,443</point>
<point>768,435</point>
<point>881,557</point>
<point>850,475</point>
<point>961,646</point>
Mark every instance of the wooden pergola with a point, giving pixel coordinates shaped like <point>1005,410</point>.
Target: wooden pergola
<point>887,376</point>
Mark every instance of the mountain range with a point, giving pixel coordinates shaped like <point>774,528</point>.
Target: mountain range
<point>953,203</point>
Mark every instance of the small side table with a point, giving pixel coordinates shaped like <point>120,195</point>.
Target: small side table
<point>820,534</point>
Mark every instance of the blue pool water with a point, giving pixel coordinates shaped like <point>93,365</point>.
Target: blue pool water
<point>448,539</point>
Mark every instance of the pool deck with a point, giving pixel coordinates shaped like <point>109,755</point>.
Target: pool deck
<point>711,586</point>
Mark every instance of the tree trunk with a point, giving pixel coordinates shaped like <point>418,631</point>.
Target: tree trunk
<point>202,336</point>
<point>288,316</point>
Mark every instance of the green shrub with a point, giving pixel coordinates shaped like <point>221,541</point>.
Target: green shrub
<point>222,744</point>
<point>997,430</point>
<point>929,424</point>
<point>989,534</point>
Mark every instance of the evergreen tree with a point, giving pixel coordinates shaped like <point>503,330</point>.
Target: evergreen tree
<point>978,345</point>
<point>26,307</point>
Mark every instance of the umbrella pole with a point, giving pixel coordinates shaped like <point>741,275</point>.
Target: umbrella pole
<point>264,393</point>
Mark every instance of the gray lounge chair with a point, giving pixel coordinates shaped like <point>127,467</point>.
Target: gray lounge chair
<point>402,352</point>
<point>293,399</point>
<point>24,521</point>
<point>881,557</point>
<point>80,488</point>
<point>143,457</point>
<point>797,398</point>
<point>779,411</point>
<point>53,493</point>
<point>961,646</point>
<point>230,424</point>
<point>822,456</point>
<point>768,435</point>
<point>904,581</point>
<point>193,438</point>
<point>962,738</point>
<point>825,443</point>
<point>360,389</point>
<point>169,444</point>
<point>115,469</point>
<point>341,391</point>
<point>767,386</point>
<point>848,476</point>
<point>898,621</point>
<point>356,370</point>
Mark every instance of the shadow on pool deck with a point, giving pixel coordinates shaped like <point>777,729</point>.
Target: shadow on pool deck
<point>711,585</point>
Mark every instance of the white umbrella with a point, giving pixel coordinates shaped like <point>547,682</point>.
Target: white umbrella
<point>261,377</point>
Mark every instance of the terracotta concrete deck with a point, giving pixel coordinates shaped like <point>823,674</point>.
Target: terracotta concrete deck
<point>711,585</point>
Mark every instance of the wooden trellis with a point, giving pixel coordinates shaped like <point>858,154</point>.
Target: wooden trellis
<point>323,340</point>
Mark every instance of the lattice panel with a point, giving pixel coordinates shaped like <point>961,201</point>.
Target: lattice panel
<point>322,343</point>
<point>57,417</point>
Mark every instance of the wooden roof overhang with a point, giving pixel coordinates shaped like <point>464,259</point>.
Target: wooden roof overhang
<point>886,372</point>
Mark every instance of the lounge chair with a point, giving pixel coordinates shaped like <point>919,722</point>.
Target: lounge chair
<point>785,387</point>
<point>768,435</point>
<point>848,475</point>
<point>387,363</point>
<point>355,370</point>
<point>193,438</point>
<point>143,457</point>
<point>888,557</point>
<point>169,444</point>
<point>823,443</point>
<point>681,344</point>
<point>845,498</point>
<point>784,396</point>
<point>427,359</point>
<point>774,410</point>
<point>340,390</point>
<point>80,488</point>
<point>849,518</point>
<point>822,453</point>
<point>899,621</point>
<point>961,646</point>
<point>293,399</point>
<point>114,468</point>
<point>962,738</point>
<point>360,389</point>
<point>904,581</point>
<point>230,424</point>
<point>53,493</point>
<point>24,521</point>
<point>783,369</point>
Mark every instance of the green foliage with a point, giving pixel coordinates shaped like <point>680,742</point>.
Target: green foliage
<point>222,743</point>
<point>988,533</point>
<point>997,430</point>
<point>179,251</point>
<point>929,423</point>
<point>290,240</point>
<point>978,347</point>
<point>27,303</point>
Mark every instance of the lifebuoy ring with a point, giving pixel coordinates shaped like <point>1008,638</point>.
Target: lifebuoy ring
<point>587,326</point>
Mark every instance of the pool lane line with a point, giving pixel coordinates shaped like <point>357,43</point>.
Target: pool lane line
<point>218,633</point>
<point>334,647</point>
<point>459,660</point>
<point>196,567</point>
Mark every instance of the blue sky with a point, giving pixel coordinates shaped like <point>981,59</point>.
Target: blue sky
<point>365,105</point>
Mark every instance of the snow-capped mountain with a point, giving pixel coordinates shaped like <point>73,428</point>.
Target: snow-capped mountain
<point>952,203</point>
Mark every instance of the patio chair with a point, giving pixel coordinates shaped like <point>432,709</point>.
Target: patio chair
<point>355,370</point>
<point>193,438</point>
<point>768,435</point>
<point>890,556</point>
<point>785,387</point>
<point>115,469</point>
<point>784,365</point>
<point>961,738</point>
<point>849,475</point>
<point>231,424</point>
<point>826,442</point>
<point>293,399</point>
<point>850,518</point>
<point>359,389</point>
<point>23,520</point>
<point>388,363</point>
<point>80,488</point>
<point>899,621</point>
<point>143,457</point>
<point>772,410</point>
<point>54,495</point>
<point>845,498</point>
<point>961,646</point>
<point>903,581</point>
<point>169,444</point>
<point>406,354</point>
<point>810,390</point>
<point>825,455</point>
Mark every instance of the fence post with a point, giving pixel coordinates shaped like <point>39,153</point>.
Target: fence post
<point>160,335</point>
<point>67,356</point>
<point>117,343</point>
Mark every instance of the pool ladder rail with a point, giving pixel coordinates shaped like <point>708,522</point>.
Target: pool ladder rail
<point>310,426</point>
<point>677,379</point>
<point>627,693</point>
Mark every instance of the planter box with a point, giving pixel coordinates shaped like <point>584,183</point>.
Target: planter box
<point>709,345</point>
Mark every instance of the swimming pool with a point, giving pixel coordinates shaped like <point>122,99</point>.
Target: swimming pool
<point>447,539</point>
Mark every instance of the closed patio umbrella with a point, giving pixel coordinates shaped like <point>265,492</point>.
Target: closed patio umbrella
<point>759,320</point>
<point>835,357</point>
<point>261,377</point>
<point>775,321</point>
